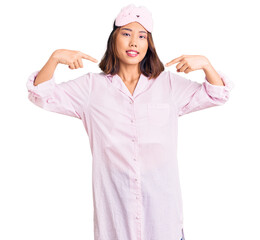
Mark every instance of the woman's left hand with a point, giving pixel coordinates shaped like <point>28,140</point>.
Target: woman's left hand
<point>189,63</point>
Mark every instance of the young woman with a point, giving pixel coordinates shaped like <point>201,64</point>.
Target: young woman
<point>130,112</point>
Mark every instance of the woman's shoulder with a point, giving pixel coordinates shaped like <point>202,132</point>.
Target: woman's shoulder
<point>101,75</point>
<point>163,75</point>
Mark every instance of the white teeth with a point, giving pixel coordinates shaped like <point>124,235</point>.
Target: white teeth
<point>132,52</point>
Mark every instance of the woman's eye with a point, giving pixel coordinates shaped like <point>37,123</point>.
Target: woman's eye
<point>129,34</point>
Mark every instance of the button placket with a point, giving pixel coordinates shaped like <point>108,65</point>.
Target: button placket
<point>136,179</point>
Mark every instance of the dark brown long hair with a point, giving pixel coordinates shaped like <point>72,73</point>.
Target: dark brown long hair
<point>150,66</point>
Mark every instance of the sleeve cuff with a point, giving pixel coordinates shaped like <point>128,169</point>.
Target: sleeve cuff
<point>218,91</point>
<point>42,89</point>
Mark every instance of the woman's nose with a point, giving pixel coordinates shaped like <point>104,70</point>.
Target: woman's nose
<point>133,44</point>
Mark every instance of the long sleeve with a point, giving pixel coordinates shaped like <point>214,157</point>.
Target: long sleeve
<point>191,96</point>
<point>66,98</point>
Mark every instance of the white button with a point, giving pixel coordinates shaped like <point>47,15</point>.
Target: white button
<point>137,217</point>
<point>130,102</point>
<point>133,140</point>
<point>134,159</point>
<point>135,179</point>
<point>49,100</point>
<point>136,197</point>
<point>132,120</point>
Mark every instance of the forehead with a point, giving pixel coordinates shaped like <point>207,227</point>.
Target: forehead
<point>135,26</point>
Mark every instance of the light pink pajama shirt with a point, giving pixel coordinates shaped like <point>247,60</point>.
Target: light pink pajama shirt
<point>133,140</point>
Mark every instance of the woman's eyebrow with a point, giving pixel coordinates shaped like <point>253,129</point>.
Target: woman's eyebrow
<point>131,30</point>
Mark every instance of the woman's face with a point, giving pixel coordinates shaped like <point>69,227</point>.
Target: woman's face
<point>132,36</point>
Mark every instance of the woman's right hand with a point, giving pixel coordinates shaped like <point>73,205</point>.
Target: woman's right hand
<point>71,58</point>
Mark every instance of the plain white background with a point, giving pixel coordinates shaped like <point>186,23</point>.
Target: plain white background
<point>45,167</point>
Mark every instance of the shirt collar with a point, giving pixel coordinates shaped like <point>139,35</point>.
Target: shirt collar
<point>119,84</point>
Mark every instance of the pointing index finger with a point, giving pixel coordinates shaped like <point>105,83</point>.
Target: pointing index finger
<point>175,60</point>
<point>85,56</point>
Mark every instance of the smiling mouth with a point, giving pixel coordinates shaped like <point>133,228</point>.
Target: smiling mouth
<point>131,54</point>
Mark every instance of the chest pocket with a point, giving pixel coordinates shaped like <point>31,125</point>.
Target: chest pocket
<point>158,113</point>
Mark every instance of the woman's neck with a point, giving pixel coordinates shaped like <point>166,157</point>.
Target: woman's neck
<point>129,74</point>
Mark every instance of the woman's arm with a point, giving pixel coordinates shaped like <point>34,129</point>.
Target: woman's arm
<point>190,96</point>
<point>212,75</point>
<point>68,98</point>
<point>47,71</point>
